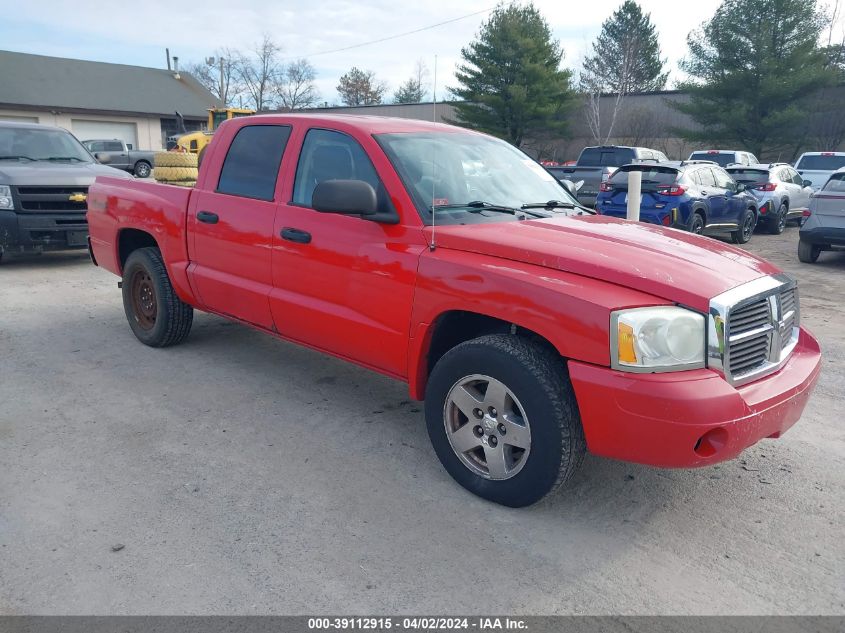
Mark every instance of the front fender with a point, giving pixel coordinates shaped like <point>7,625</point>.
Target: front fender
<point>570,311</point>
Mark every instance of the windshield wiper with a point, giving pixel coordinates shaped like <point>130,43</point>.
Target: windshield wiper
<point>16,158</point>
<point>555,204</point>
<point>477,206</point>
<point>64,158</point>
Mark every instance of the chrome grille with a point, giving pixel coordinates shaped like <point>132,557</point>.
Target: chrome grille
<point>753,328</point>
<point>789,310</point>
<point>750,335</point>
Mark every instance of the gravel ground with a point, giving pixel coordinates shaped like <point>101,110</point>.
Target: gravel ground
<point>240,474</point>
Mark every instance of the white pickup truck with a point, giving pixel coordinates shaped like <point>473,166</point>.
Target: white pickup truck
<point>817,167</point>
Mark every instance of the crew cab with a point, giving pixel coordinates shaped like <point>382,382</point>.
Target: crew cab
<point>817,167</point>
<point>120,155</point>
<point>533,329</point>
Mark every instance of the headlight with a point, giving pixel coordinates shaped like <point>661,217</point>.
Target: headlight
<point>664,338</point>
<point>6,197</point>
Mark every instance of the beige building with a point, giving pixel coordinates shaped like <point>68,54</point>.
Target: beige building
<point>98,100</point>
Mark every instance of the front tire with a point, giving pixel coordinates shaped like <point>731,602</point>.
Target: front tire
<point>746,227</point>
<point>503,419</point>
<point>157,317</point>
<point>808,253</point>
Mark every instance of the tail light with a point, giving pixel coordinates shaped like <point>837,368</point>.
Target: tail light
<point>766,186</point>
<point>672,190</point>
<point>806,213</point>
<point>605,186</point>
<point>828,153</point>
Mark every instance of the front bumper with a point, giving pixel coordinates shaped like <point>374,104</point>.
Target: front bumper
<point>36,232</point>
<point>690,418</point>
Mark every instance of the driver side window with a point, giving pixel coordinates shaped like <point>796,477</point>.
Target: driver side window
<point>329,155</point>
<point>723,181</point>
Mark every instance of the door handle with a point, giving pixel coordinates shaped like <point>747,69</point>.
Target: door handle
<point>705,193</point>
<point>208,217</point>
<point>295,235</point>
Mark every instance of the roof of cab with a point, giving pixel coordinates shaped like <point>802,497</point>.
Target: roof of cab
<point>362,122</point>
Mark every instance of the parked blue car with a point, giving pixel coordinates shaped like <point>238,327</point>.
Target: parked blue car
<point>695,196</point>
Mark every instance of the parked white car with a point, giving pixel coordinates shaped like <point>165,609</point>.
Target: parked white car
<point>818,166</point>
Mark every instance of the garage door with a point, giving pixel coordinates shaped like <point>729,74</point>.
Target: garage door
<point>18,119</point>
<point>86,130</point>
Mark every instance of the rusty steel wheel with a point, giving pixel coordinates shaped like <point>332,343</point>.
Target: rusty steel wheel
<point>156,315</point>
<point>144,304</point>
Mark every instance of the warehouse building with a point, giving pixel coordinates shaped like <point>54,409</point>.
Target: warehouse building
<point>98,100</point>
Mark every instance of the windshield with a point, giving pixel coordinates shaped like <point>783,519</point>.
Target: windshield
<point>820,162</point>
<point>48,144</point>
<point>720,158</point>
<point>443,169</point>
<point>749,175</point>
<point>605,156</point>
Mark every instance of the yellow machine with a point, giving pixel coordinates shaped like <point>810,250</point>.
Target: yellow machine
<point>195,142</point>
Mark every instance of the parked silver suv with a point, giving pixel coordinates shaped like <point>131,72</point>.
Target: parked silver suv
<point>782,193</point>
<point>823,227</point>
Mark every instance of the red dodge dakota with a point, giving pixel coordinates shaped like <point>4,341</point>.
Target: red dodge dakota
<point>533,329</point>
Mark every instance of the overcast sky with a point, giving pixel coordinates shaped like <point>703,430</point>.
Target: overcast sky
<point>137,33</point>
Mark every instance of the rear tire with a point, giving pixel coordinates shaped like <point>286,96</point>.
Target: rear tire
<point>777,224</point>
<point>808,253</point>
<point>747,222</point>
<point>697,225</point>
<point>157,317</point>
<point>545,444</point>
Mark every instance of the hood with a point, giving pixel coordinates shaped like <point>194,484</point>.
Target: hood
<point>45,173</point>
<point>673,265</point>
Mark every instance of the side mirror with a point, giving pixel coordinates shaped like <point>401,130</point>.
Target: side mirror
<point>102,157</point>
<point>740,187</point>
<point>808,183</point>
<point>349,197</point>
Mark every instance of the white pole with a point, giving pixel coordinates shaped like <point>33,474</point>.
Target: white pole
<point>635,181</point>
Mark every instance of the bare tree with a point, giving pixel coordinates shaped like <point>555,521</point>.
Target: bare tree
<point>594,84</point>
<point>220,74</point>
<point>416,88</point>
<point>296,89</point>
<point>260,72</point>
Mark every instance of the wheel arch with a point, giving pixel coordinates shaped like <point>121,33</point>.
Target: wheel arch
<point>451,328</point>
<point>129,240</point>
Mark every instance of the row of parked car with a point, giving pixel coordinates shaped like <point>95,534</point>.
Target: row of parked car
<point>719,192</point>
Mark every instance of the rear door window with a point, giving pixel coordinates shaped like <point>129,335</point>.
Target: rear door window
<point>113,146</point>
<point>252,163</point>
<point>720,158</point>
<point>705,177</point>
<point>821,162</point>
<point>605,157</point>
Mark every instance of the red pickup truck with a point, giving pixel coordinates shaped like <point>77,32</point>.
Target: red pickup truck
<point>533,329</point>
